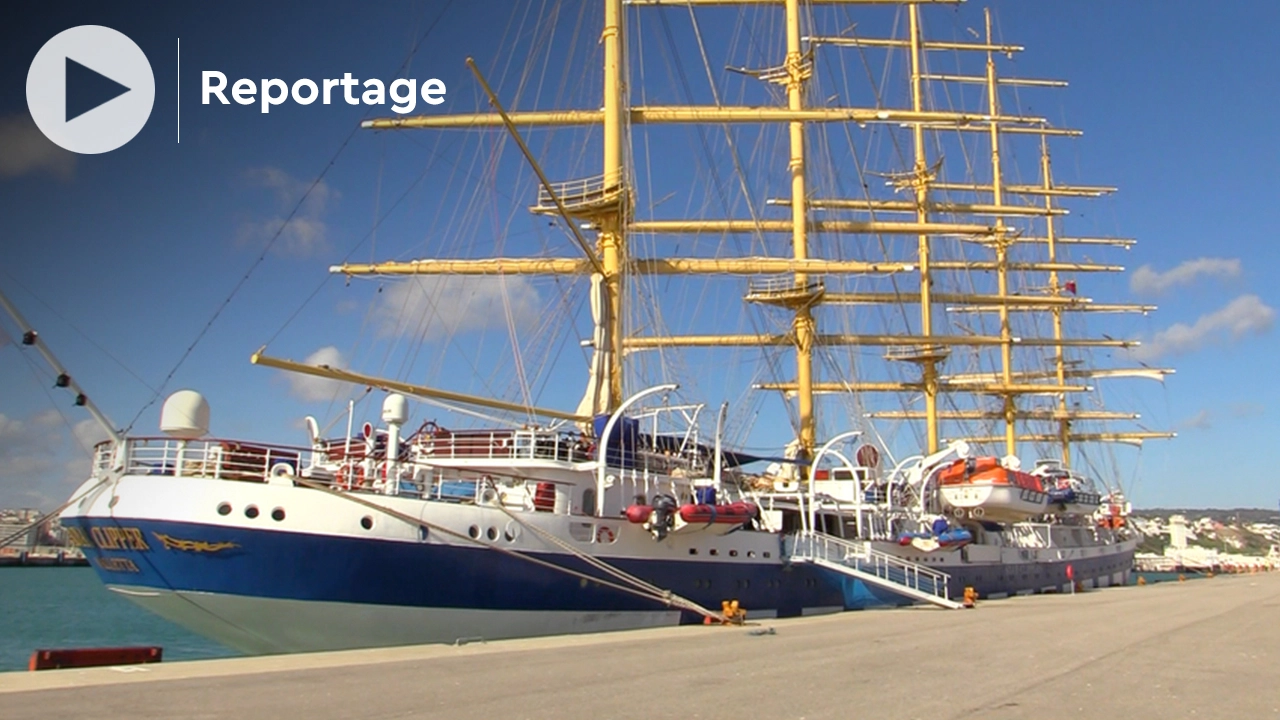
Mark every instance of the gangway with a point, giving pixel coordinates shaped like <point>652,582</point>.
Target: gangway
<point>874,567</point>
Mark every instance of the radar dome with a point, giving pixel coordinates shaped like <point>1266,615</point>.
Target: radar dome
<point>185,415</point>
<point>395,410</point>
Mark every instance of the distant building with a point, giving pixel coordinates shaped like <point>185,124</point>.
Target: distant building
<point>14,521</point>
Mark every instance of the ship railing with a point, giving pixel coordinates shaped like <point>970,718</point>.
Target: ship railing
<point>544,445</point>
<point>578,194</point>
<point>504,445</point>
<point>1032,535</point>
<point>208,458</point>
<point>808,544</point>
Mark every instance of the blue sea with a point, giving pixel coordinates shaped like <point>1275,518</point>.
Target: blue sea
<point>66,607</point>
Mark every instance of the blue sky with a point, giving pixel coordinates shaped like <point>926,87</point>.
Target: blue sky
<point>121,259</point>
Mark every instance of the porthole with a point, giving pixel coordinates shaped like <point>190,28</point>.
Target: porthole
<point>491,533</point>
<point>751,553</point>
<point>733,553</point>
<point>693,551</point>
<point>766,553</point>
<point>224,508</point>
<point>277,514</point>
<point>715,551</point>
<point>366,522</point>
<point>474,532</point>
<point>251,512</point>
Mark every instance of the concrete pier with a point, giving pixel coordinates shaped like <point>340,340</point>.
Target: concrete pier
<point>1206,648</point>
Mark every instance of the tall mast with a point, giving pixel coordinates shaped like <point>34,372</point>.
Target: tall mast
<point>1002,254</point>
<point>920,181</point>
<point>1055,289</point>
<point>612,220</point>
<point>803,325</point>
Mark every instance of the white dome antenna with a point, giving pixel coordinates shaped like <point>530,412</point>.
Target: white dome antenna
<point>395,409</point>
<point>185,415</point>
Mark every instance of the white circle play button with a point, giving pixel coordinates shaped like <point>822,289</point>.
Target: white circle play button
<point>90,89</point>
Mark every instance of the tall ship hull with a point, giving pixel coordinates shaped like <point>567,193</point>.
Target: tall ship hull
<point>270,561</point>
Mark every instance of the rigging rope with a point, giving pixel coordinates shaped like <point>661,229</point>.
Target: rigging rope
<point>641,588</point>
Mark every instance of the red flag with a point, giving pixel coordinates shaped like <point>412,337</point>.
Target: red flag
<point>1071,573</point>
<point>1070,286</point>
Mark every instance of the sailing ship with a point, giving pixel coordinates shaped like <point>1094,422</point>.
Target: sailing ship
<point>627,512</point>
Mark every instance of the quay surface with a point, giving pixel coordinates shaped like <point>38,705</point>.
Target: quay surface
<point>1209,648</point>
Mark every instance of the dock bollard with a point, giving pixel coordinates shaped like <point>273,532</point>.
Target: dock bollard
<point>970,597</point>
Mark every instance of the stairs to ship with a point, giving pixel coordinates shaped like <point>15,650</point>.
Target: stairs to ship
<point>874,567</point>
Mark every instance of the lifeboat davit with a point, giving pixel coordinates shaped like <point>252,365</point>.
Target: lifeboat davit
<point>1068,492</point>
<point>983,489</point>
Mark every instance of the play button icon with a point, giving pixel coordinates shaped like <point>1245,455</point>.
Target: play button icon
<point>90,89</point>
<point>87,89</point>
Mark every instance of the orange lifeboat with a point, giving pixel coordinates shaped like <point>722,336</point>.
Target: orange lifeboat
<point>983,489</point>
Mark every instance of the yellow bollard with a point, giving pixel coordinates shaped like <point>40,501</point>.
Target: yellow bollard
<point>1142,580</point>
<point>970,597</point>
<point>1182,578</point>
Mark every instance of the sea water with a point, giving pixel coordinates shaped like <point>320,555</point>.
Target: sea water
<point>43,608</point>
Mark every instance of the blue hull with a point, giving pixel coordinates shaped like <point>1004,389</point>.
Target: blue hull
<point>299,566</point>
<point>192,557</point>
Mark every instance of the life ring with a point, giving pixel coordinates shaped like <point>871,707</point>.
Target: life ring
<point>604,535</point>
<point>350,477</point>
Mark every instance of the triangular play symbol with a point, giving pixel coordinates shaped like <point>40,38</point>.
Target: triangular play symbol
<point>87,89</point>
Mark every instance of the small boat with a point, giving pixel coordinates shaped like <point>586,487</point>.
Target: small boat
<point>984,489</point>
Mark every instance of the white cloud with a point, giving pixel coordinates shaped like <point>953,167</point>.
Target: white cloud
<point>306,233</point>
<point>88,433</point>
<point>317,389</point>
<point>1246,315</point>
<point>37,467</point>
<point>1247,409</point>
<point>1146,281</point>
<point>445,305</point>
<point>1200,421</point>
<point>24,149</point>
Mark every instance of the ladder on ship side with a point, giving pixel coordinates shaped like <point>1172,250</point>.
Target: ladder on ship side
<point>874,567</point>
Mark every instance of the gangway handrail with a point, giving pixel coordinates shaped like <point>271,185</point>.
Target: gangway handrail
<point>810,544</point>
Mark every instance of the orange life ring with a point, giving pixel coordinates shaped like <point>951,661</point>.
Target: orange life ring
<point>350,476</point>
<point>604,534</point>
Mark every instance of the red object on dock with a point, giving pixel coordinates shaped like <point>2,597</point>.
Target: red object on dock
<point>93,657</point>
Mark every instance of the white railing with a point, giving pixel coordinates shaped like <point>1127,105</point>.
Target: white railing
<point>223,459</point>
<point>583,191</point>
<point>808,544</point>
<point>504,445</point>
<point>780,284</point>
<point>447,445</point>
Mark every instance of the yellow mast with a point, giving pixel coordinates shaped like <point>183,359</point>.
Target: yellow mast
<point>920,181</point>
<point>802,325</point>
<point>1055,289</point>
<point>612,222</point>
<point>1002,254</point>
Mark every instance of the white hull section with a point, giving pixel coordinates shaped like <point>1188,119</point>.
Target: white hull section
<point>309,626</point>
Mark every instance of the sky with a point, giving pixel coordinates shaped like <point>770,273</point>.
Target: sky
<point>164,264</point>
